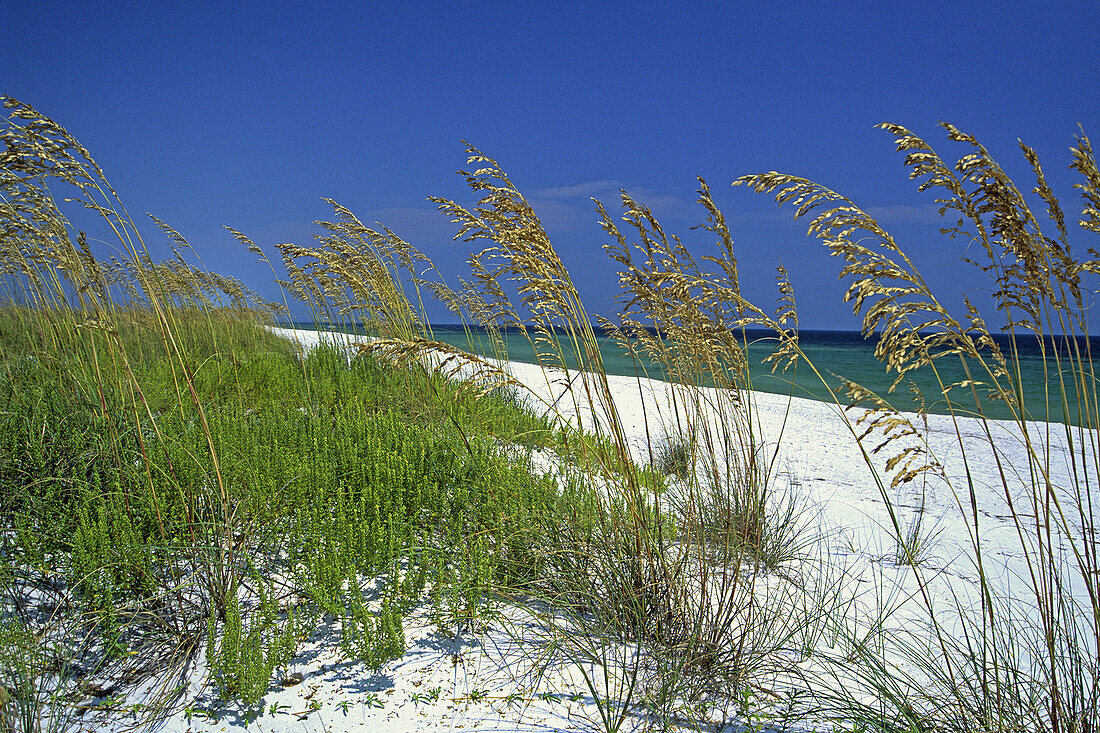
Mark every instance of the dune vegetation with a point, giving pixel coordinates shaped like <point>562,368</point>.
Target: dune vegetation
<point>179,484</point>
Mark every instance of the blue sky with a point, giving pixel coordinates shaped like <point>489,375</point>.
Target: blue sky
<point>247,114</point>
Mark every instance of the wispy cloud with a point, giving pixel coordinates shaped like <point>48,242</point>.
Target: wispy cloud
<point>663,204</point>
<point>418,225</point>
<point>556,214</point>
<point>567,206</point>
<point>299,232</point>
<point>905,214</point>
<point>576,190</point>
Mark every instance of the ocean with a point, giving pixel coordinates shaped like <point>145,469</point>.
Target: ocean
<point>836,354</point>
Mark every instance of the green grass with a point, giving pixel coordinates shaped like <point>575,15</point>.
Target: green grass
<point>330,485</point>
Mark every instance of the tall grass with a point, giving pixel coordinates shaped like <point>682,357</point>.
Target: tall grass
<point>1011,662</point>
<point>671,574</point>
<point>142,403</point>
<point>1006,664</point>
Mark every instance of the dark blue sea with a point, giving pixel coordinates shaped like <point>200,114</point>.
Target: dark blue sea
<point>848,354</point>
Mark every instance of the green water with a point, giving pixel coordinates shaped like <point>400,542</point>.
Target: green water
<point>837,354</point>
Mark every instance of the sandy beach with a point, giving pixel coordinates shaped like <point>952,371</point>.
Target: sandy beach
<point>482,680</point>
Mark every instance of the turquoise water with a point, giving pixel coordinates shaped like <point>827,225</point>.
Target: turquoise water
<point>839,353</point>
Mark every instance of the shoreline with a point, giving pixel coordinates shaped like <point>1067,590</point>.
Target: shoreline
<point>844,353</point>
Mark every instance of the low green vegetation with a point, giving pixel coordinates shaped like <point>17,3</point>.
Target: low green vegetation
<point>346,495</point>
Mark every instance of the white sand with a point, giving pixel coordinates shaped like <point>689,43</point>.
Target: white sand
<point>819,461</point>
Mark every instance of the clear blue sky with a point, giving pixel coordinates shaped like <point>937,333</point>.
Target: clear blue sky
<point>247,114</point>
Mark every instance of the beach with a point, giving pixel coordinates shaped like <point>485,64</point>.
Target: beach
<point>491,678</point>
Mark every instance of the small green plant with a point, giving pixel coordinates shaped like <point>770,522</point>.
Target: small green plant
<point>32,700</point>
<point>915,544</point>
<point>372,638</point>
<point>675,456</point>
<point>191,710</point>
<point>461,589</point>
<point>243,651</point>
<point>432,695</point>
<point>754,718</point>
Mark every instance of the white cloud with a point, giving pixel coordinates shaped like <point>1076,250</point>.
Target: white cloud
<point>557,202</point>
<point>905,214</point>
<point>588,188</point>
<point>418,225</point>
